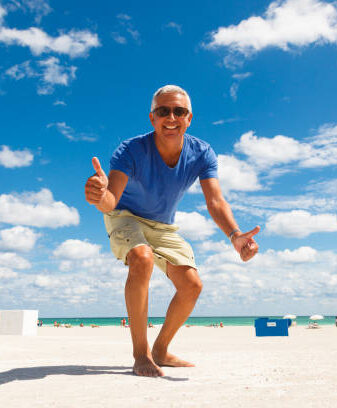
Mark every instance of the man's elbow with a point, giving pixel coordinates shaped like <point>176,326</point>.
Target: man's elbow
<point>215,204</point>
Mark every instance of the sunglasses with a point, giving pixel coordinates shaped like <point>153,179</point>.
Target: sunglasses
<point>178,111</point>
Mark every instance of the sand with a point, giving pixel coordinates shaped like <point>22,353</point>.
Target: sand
<point>92,367</point>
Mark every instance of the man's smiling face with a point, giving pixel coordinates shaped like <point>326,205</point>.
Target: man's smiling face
<point>171,126</point>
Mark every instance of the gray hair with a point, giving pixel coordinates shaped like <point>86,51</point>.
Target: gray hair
<point>170,89</point>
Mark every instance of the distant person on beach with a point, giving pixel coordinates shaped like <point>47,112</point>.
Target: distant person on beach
<point>149,175</point>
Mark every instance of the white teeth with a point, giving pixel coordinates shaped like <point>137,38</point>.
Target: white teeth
<point>171,127</point>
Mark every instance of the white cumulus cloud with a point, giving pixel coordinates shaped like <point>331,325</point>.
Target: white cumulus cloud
<point>317,151</point>
<point>20,71</point>
<point>47,281</point>
<point>235,174</point>
<point>194,226</point>
<point>18,239</point>
<point>266,152</point>
<point>53,73</point>
<point>15,158</point>
<point>13,261</point>
<point>277,279</point>
<point>79,290</point>
<point>50,72</point>
<point>7,273</point>
<point>285,25</point>
<point>37,210</point>
<point>300,223</point>
<point>212,246</point>
<point>74,44</point>
<point>299,255</point>
<point>76,249</point>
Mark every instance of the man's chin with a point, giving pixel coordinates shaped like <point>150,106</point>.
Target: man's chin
<point>172,132</point>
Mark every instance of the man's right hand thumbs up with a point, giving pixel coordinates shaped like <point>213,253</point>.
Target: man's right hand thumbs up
<point>97,167</point>
<point>96,185</point>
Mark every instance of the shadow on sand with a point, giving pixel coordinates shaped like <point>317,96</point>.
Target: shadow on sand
<point>36,373</point>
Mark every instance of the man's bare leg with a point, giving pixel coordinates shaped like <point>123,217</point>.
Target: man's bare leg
<point>140,260</point>
<point>188,285</point>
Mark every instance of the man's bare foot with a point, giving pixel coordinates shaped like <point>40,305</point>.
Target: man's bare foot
<point>146,367</point>
<point>170,360</point>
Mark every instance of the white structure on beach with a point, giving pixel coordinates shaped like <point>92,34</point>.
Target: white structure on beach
<point>18,322</point>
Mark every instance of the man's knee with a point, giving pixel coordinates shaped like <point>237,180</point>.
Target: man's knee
<point>194,287</point>
<point>191,286</point>
<point>140,261</point>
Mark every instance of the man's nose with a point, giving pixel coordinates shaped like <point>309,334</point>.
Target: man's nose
<point>171,115</point>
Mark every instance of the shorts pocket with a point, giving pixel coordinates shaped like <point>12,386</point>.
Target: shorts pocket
<point>119,242</point>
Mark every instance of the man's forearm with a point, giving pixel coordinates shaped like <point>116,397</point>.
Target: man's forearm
<point>222,214</point>
<point>108,203</point>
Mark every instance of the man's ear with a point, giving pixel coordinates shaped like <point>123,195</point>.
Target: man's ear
<point>190,116</point>
<point>151,118</point>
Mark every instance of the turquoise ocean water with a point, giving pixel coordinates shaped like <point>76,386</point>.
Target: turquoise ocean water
<point>197,321</point>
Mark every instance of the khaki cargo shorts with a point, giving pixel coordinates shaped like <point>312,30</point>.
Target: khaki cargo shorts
<point>127,231</point>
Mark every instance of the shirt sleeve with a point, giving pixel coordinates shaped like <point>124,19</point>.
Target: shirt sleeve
<point>122,160</point>
<point>210,165</point>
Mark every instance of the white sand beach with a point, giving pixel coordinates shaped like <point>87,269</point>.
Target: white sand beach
<point>92,367</point>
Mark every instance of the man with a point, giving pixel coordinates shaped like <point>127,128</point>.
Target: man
<point>148,176</point>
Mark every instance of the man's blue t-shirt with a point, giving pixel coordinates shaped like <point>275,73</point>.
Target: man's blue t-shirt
<point>154,189</point>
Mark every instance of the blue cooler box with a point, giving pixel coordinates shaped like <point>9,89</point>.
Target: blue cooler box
<point>271,327</point>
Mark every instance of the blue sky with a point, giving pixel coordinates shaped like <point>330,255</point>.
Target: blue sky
<point>76,79</point>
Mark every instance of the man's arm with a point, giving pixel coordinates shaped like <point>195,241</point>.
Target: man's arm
<point>222,214</point>
<point>104,192</point>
